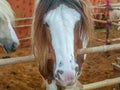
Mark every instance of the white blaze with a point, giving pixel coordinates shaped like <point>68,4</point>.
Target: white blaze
<point>61,23</point>
<point>13,34</point>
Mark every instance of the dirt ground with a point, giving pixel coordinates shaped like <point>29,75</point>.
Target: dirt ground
<point>25,76</point>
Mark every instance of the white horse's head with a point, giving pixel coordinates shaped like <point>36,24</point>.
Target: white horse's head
<point>8,37</point>
<point>60,27</point>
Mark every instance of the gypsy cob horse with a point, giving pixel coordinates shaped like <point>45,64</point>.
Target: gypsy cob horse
<point>60,28</point>
<point>8,37</point>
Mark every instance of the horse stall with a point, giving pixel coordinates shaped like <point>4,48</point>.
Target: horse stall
<point>25,75</point>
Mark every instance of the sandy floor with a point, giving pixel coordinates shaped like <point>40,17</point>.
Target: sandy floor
<point>25,76</point>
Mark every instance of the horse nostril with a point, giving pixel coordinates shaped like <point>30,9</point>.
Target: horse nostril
<point>14,46</point>
<point>60,72</point>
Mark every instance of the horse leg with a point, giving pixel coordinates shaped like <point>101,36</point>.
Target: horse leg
<point>51,86</point>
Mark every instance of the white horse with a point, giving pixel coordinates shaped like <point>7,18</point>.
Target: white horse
<point>60,28</point>
<point>8,37</point>
<point>115,14</point>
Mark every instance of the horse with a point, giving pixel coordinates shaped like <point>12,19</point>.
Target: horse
<point>8,37</point>
<point>59,29</point>
<point>115,14</point>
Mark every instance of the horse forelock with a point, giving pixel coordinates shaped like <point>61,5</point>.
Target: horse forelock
<point>6,12</point>
<point>40,42</point>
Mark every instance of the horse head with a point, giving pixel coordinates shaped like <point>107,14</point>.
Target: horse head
<point>8,37</point>
<point>60,27</point>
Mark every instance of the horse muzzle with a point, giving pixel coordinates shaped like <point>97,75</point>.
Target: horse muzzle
<point>9,47</point>
<point>65,78</point>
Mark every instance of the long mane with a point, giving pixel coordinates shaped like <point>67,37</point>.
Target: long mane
<point>39,37</point>
<point>6,12</point>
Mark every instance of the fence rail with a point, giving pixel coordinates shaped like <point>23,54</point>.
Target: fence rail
<point>101,84</point>
<point>103,48</point>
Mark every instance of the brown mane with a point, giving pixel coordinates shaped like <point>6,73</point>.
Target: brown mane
<point>39,35</point>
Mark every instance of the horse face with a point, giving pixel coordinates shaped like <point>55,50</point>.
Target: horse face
<point>61,26</point>
<point>8,38</point>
